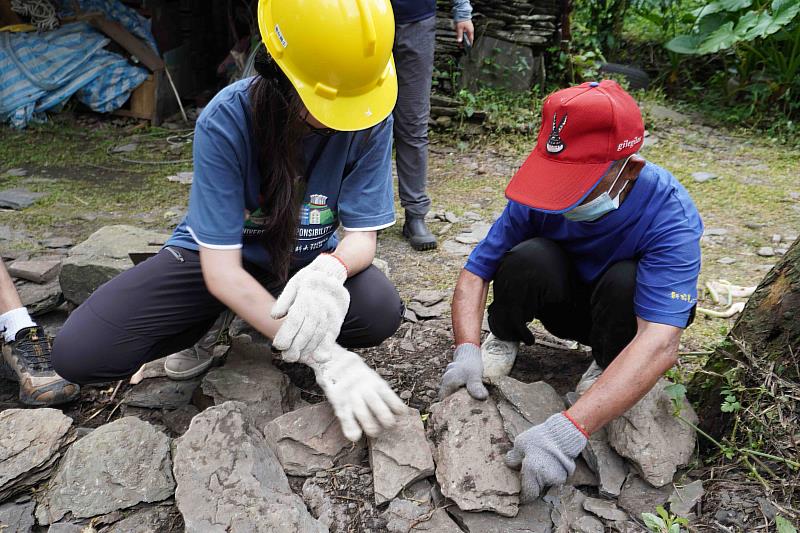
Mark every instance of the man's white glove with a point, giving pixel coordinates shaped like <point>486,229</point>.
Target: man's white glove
<point>314,303</point>
<point>360,398</point>
<point>546,454</point>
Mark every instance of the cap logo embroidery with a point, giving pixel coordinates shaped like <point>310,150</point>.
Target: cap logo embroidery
<point>554,142</point>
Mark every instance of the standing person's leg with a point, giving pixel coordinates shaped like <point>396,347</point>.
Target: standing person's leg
<point>413,55</point>
<point>26,350</point>
<point>535,280</point>
<point>154,309</point>
<point>375,310</point>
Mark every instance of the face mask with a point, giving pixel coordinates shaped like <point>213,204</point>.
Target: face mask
<point>600,206</point>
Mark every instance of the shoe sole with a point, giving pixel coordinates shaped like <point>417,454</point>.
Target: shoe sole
<point>419,244</point>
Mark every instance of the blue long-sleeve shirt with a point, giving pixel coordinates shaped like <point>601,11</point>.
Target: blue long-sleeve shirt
<point>406,11</point>
<point>658,225</point>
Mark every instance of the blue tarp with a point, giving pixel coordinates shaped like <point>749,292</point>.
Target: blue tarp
<point>41,71</point>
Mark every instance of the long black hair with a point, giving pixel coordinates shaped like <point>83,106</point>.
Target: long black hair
<point>278,129</point>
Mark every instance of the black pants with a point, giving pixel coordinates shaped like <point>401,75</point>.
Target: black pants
<point>536,279</point>
<point>162,306</point>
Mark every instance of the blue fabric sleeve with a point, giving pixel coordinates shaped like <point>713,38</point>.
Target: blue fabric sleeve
<point>366,200</point>
<point>216,200</point>
<point>512,227</point>
<point>666,277</point>
<point>462,10</point>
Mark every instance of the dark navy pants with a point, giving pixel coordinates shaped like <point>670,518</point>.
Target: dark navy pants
<point>536,279</point>
<point>162,306</point>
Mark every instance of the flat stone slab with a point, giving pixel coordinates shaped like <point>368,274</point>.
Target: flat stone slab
<point>523,405</point>
<point>102,256</point>
<point>30,442</point>
<point>399,457</point>
<point>40,299</point>
<point>605,509</point>
<point>307,440</point>
<point>19,198</point>
<point>116,466</point>
<point>404,516</point>
<point>248,376</point>
<point>533,517</point>
<point>683,499</point>
<point>652,437</point>
<point>151,520</point>
<point>161,393</point>
<point>568,514</point>
<point>17,517</point>
<point>36,270</point>
<point>639,497</point>
<point>470,448</point>
<point>230,480</point>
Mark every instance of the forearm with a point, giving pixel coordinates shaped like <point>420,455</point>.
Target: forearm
<point>241,293</point>
<point>628,378</point>
<point>357,250</point>
<point>469,302</point>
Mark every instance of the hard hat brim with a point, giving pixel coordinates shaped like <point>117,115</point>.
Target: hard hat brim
<point>352,113</point>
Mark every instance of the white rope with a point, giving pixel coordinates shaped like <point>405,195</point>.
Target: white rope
<point>41,12</point>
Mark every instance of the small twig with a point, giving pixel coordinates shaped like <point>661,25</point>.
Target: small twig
<point>425,517</point>
<point>111,399</point>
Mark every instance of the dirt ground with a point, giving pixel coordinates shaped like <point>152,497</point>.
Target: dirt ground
<point>754,196</point>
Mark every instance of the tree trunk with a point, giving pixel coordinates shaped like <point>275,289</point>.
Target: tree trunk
<point>764,342</point>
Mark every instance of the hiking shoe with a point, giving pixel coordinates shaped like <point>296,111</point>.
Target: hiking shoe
<point>193,361</point>
<point>498,356</point>
<point>418,234</point>
<point>28,356</point>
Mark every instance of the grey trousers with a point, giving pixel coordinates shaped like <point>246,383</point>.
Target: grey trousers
<point>413,56</point>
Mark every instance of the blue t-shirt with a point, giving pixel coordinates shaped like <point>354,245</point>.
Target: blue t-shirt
<point>349,182</point>
<point>657,224</point>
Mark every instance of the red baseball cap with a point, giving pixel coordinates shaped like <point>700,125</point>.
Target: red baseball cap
<point>584,130</point>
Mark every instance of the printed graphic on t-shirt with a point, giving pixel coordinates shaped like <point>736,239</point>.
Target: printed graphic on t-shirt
<point>253,224</point>
<point>317,224</point>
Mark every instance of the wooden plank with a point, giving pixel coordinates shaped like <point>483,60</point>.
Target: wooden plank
<point>128,41</point>
<point>7,16</point>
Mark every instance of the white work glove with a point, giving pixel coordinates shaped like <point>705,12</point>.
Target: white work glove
<point>466,369</point>
<point>546,454</point>
<point>360,398</point>
<point>314,303</point>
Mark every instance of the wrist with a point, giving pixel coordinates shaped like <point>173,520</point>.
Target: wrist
<point>565,434</point>
<point>575,423</point>
<point>335,266</point>
<point>466,349</point>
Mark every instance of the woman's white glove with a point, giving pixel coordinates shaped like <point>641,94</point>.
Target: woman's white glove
<point>314,303</point>
<point>360,398</point>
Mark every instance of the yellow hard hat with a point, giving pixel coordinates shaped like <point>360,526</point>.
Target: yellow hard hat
<point>338,56</point>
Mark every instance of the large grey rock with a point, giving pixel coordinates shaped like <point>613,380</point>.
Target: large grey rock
<point>523,405</point>
<point>650,435</point>
<point>532,517</point>
<point>18,198</point>
<point>230,480</point>
<point>248,376</point>
<point>307,440</point>
<point>399,457</point>
<point>30,443</point>
<point>568,513</point>
<point>114,467</point>
<point>37,270</point>
<point>161,393</point>
<point>17,517</point>
<point>404,516</point>
<point>153,520</point>
<point>470,446</point>
<point>639,497</point>
<point>102,256</point>
<point>39,299</point>
<point>178,420</point>
<point>683,499</point>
